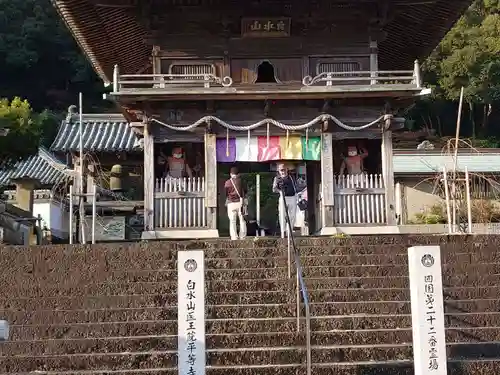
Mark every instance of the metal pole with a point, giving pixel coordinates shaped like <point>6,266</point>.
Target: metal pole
<point>308,339</point>
<point>80,149</point>
<point>285,231</point>
<point>94,212</point>
<point>289,247</point>
<point>469,207</point>
<point>70,214</point>
<point>447,196</point>
<point>455,156</point>
<point>297,296</point>
<point>257,201</point>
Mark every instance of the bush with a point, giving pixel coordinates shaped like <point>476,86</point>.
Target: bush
<point>482,210</point>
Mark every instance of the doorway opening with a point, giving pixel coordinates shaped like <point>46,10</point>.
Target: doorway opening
<point>370,164</point>
<point>266,73</point>
<point>263,202</point>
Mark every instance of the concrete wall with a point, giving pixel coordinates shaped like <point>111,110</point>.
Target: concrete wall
<point>417,195</point>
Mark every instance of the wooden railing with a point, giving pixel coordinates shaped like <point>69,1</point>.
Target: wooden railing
<point>162,81</point>
<point>359,199</point>
<point>130,82</point>
<point>382,77</point>
<point>180,203</point>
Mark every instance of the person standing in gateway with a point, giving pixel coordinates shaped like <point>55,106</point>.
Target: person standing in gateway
<point>285,186</point>
<point>235,202</point>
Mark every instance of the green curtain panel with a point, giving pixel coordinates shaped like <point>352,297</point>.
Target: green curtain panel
<point>311,150</point>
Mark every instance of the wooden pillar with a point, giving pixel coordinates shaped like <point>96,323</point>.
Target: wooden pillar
<point>149,182</point>
<point>373,61</point>
<point>327,183</point>
<point>211,180</point>
<point>156,60</point>
<point>90,182</point>
<point>388,175</point>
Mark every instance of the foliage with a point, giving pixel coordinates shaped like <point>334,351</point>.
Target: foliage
<point>39,58</point>
<point>26,129</point>
<point>482,210</point>
<point>468,57</point>
<point>433,215</point>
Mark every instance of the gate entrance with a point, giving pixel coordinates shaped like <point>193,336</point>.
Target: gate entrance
<point>263,216</point>
<point>359,190</point>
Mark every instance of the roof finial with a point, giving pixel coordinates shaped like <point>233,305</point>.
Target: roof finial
<point>72,110</point>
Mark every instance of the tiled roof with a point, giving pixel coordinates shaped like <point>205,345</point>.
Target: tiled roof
<point>101,133</point>
<point>44,167</point>
<point>112,35</point>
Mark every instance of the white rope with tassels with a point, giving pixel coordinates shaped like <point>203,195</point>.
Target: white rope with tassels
<point>268,122</point>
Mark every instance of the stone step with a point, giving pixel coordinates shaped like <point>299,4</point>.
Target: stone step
<point>355,271</point>
<point>147,300</point>
<point>142,287</point>
<point>474,242</point>
<point>159,341</point>
<point>466,280</point>
<point>263,258</point>
<point>245,258</point>
<point>232,357</point>
<point>130,275</point>
<point>153,342</point>
<point>398,352</point>
<point>238,298</point>
<point>144,328</point>
<point>455,367</point>
<point>386,270</point>
<point>149,359</point>
<point>400,307</point>
<point>161,287</point>
<point>152,313</point>
<point>210,370</point>
<point>17,317</point>
<point>169,327</point>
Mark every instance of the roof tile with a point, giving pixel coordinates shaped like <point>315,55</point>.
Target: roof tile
<point>100,133</point>
<point>42,166</point>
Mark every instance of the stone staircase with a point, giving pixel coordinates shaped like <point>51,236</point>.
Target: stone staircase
<point>111,308</point>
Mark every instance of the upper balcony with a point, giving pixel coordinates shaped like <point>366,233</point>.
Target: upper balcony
<point>335,84</point>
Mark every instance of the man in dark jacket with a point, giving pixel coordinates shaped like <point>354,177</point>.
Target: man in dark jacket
<point>285,186</point>
<point>235,201</point>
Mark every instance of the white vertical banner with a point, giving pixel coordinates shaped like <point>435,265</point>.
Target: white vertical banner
<point>191,312</point>
<point>427,310</point>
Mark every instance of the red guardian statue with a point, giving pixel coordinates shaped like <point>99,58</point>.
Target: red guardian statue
<point>177,166</point>
<point>354,161</point>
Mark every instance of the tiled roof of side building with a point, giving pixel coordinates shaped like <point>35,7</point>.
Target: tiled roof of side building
<point>44,167</point>
<point>433,161</point>
<point>100,132</point>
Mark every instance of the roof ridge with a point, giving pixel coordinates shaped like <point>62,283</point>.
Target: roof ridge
<point>54,162</point>
<point>98,117</point>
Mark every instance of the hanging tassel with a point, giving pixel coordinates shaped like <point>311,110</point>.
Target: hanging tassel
<point>287,139</point>
<point>248,139</point>
<point>227,142</point>
<point>268,135</point>
<point>307,139</point>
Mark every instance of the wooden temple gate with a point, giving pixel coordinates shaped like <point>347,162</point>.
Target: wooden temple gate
<point>359,199</point>
<point>180,203</point>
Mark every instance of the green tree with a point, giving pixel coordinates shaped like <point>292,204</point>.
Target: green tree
<point>39,58</point>
<point>469,57</point>
<point>26,129</point>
